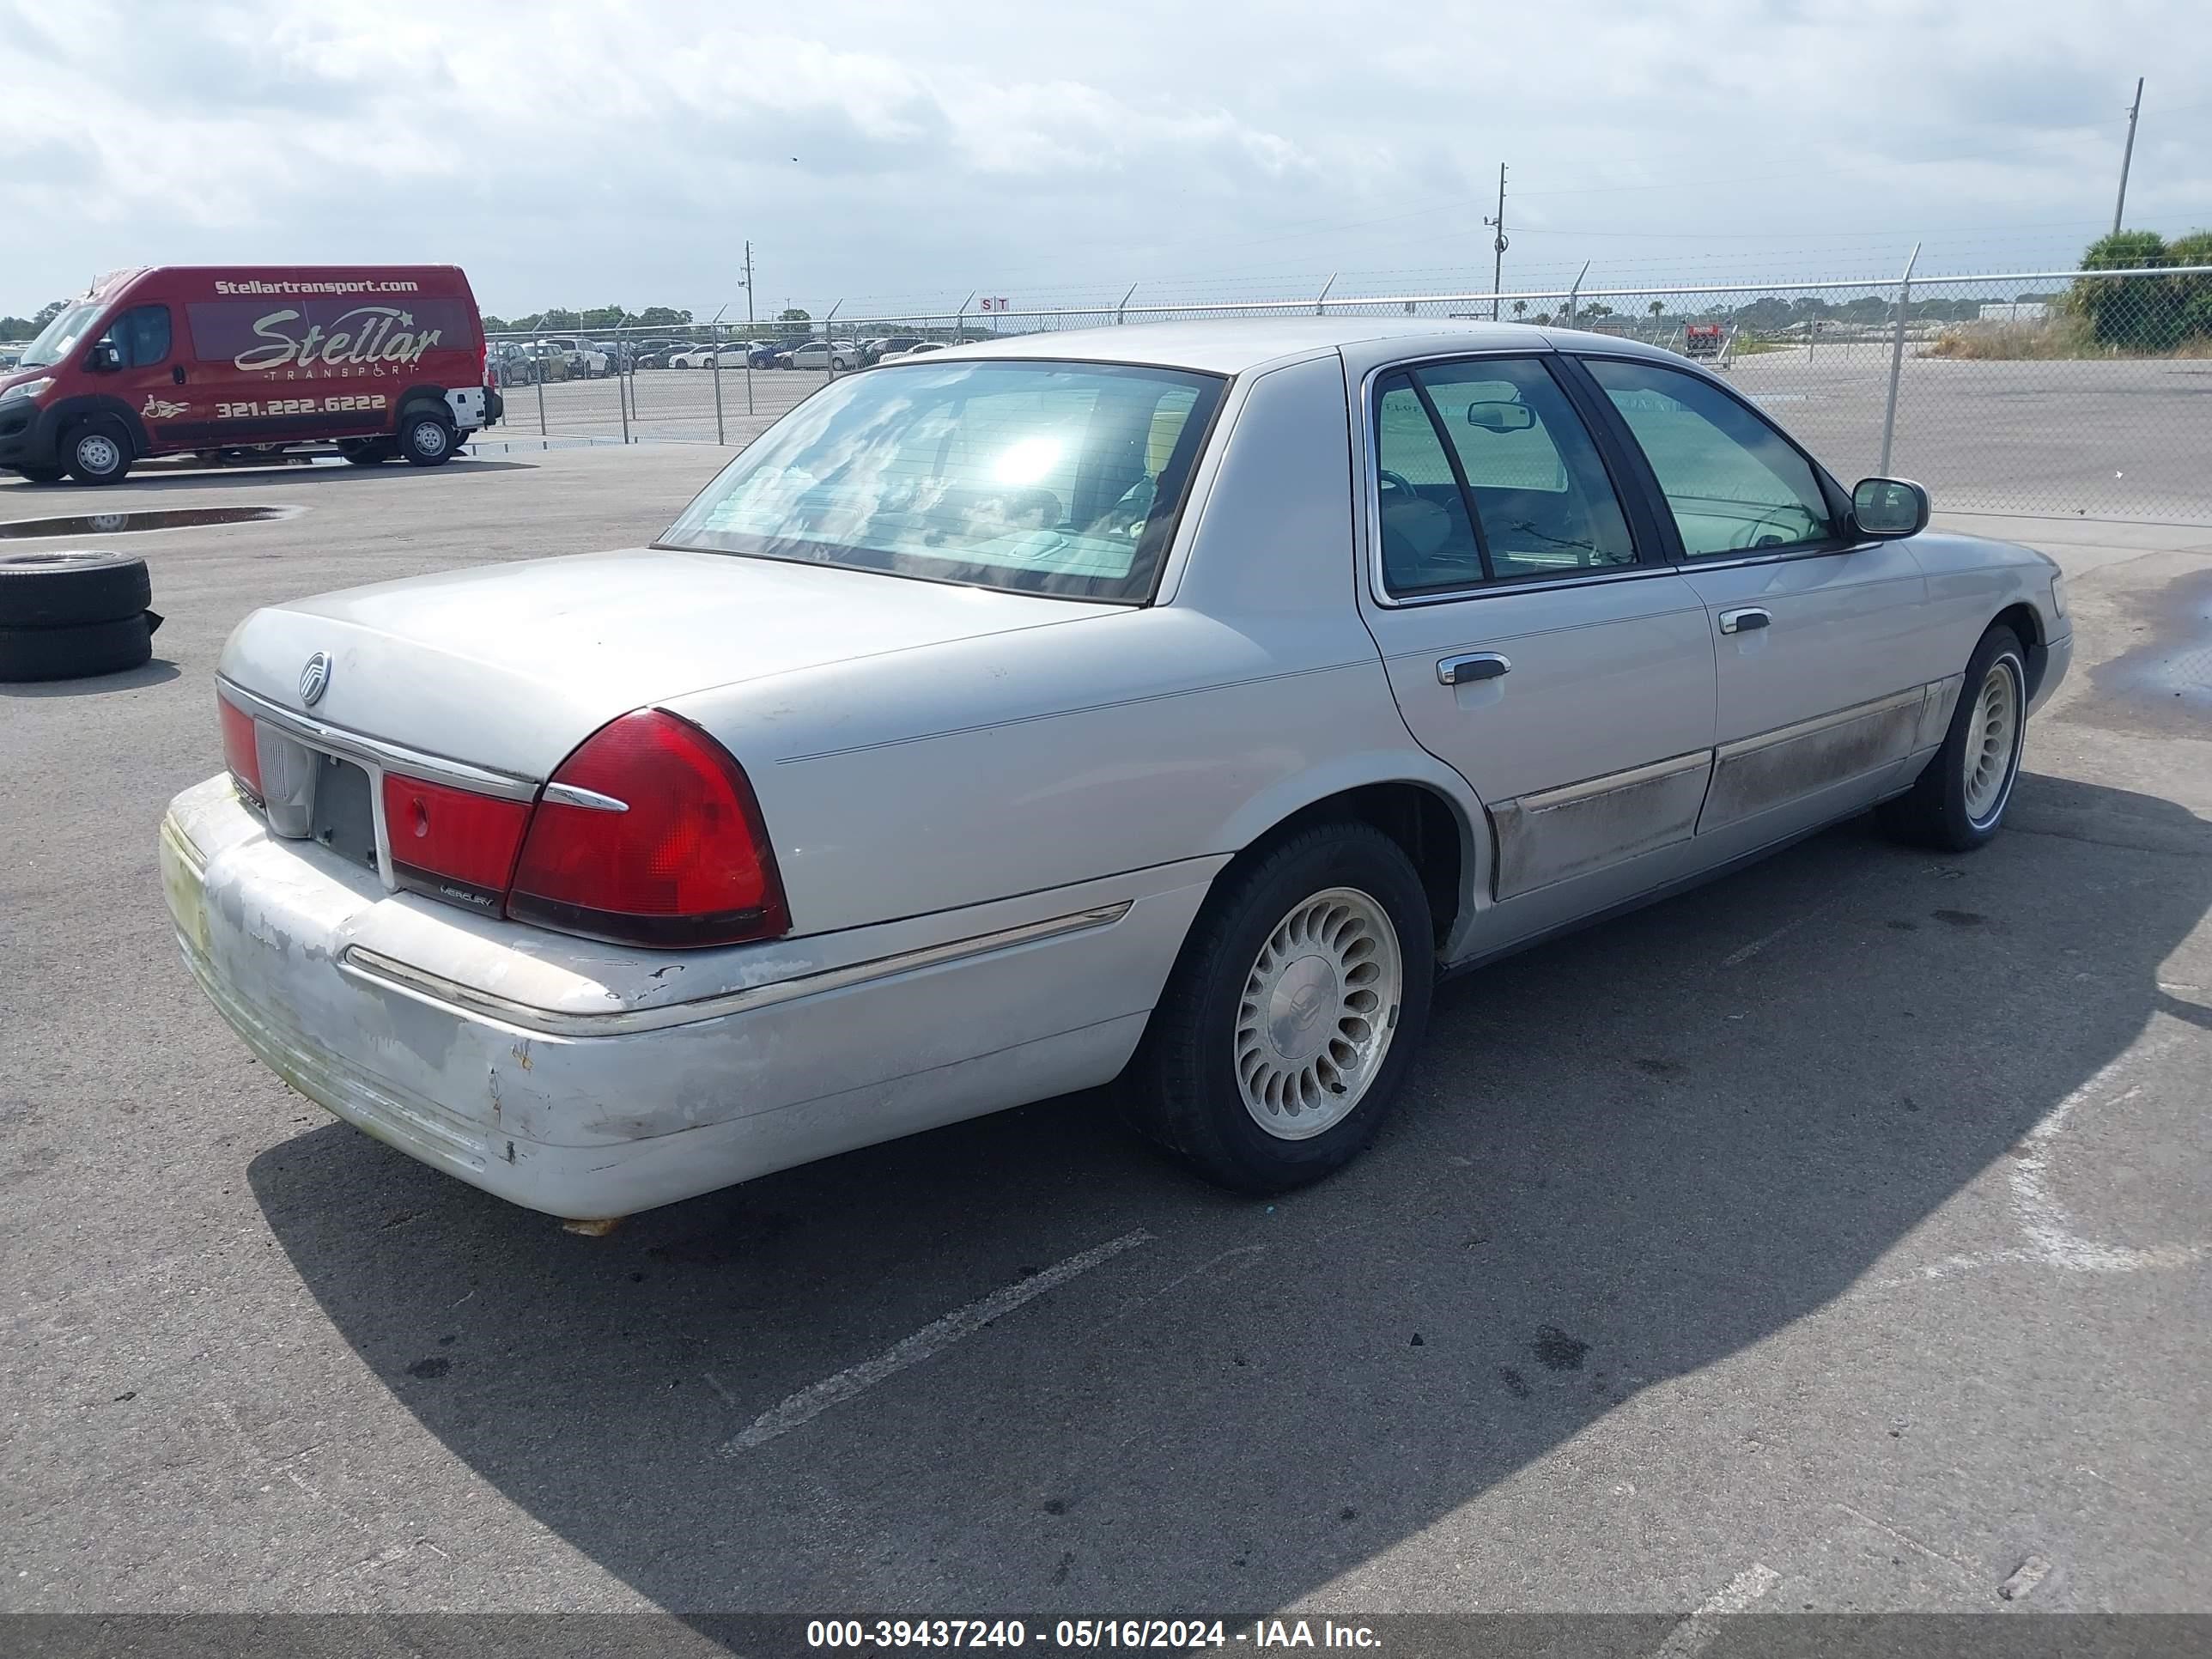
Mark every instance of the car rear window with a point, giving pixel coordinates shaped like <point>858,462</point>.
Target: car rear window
<point>1045,478</point>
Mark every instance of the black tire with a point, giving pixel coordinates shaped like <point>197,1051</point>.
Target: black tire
<point>68,587</point>
<point>1934,812</point>
<point>97,450</point>
<point>368,451</point>
<point>41,475</point>
<point>426,436</point>
<point>1183,1089</point>
<point>71,654</point>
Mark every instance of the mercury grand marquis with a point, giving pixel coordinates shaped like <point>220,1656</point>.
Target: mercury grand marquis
<point>1166,704</point>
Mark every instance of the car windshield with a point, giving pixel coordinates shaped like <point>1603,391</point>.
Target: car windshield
<point>1044,477</point>
<point>61,336</point>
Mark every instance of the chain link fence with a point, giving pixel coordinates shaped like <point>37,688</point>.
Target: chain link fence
<point>2071,393</point>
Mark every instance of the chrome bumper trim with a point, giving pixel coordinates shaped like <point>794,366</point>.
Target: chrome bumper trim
<point>412,981</point>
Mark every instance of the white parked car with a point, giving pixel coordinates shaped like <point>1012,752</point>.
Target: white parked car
<point>925,349</point>
<point>1171,704</point>
<point>584,357</point>
<point>732,354</point>
<point>817,354</point>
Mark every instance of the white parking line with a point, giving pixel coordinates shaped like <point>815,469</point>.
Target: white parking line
<point>2046,1229</point>
<point>930,1340</point>
<point>1702,1628</point>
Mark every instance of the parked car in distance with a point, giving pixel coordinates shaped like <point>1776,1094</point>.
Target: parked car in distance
<point>919,348</point>
<point>1204,766</point>
<point>874,351</point>
<point>653,353</point>
<point>584,360</point>
<point>763,354</point>
<point>620,358</point>
<point>820,354</point>
<point>248,362</point>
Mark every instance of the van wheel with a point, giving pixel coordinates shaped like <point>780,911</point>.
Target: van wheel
<point>99,451</point>
<point>426,437</point>
<point>1287,1026</point>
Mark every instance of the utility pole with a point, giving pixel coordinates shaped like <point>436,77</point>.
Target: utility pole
<point>749,288</point>
<point>1499,244</point>
<point>2127,156</point>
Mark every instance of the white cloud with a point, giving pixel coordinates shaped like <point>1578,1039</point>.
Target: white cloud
<point>577,153</point>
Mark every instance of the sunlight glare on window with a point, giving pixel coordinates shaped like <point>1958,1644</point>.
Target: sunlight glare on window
<point>1028,460</point>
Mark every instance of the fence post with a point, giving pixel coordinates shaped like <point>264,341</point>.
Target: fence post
<point>538,375</point>
<point>1318,310</point>
<point>1124,306</point>
<point>1897,359</point>
<point>1576,290</point>
<point>829,340</point>
<point>622,383</point>
<point>720,437</point>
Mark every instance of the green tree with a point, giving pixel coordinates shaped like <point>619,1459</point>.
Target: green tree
<point>1520,308</point>
<point>2133,312</point>
<point>47,312</point>
<point>663,317</point>
<point>794,323</point>
<point>2192,294</point>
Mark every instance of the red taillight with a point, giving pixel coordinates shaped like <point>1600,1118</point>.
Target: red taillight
<point>241,751</point>
<point>687,862</point>
<point>452,843</point>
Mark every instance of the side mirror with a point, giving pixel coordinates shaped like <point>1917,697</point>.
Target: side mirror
<point>105,358</point>
<point>1889,508</point>
<point>1501,417</point>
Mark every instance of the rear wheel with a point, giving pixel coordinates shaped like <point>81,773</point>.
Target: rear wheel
<point>98,451</point>
<point>1958,802</point>
<point>1285,1029</point>
<point>426,437</point>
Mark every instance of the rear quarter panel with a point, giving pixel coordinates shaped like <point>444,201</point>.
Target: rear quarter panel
<point>948,775</point>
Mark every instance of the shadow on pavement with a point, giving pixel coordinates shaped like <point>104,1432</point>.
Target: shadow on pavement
<point>1625,1157</point>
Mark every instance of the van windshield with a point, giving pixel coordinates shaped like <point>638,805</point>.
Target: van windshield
<point>61,336</point>
<point>1044,477</point>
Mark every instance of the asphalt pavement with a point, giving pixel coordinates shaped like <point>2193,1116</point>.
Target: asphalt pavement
<point>1837,1237</point>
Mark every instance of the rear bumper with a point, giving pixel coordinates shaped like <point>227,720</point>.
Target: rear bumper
<point>324,974</point>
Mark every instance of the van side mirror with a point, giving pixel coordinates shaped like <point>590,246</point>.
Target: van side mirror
<point>1889,508</point>
<point>1501,417</point>
<point>106,358</point>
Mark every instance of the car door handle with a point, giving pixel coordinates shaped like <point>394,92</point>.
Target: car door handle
<point>1743,621</point>
<point>178,373</point>
<point>1465,671</point>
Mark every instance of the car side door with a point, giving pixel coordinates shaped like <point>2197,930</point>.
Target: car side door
<point>1536,638</point>
<point>1820,637</point>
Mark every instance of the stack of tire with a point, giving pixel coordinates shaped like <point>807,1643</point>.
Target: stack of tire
<point>69,615</point>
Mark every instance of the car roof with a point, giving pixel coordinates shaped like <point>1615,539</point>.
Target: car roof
<point>1231,345</point>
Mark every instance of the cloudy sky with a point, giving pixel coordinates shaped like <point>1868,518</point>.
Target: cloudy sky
<point>903,154</point>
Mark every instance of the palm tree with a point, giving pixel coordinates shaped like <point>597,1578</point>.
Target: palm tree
<point>1519,307</point>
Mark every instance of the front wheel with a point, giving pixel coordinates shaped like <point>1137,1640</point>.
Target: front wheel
<point>99,451</point>
<point>1958,802</point>
<point>426,437</point>
<point>1284,1034</point>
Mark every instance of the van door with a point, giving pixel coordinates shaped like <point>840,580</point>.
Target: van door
<point>140,361</point>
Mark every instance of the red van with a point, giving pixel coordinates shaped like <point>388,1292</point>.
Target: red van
<point>224,361</point>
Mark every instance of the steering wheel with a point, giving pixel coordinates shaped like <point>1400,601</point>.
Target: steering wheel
<point>1395,481</point>
<point>1776,517</point>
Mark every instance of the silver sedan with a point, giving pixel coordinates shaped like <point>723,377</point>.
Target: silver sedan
<point>1170,704</point>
